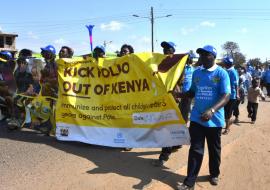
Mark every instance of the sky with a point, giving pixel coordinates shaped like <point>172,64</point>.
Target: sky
<point>193,24</point>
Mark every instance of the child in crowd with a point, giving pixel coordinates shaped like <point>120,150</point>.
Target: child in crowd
<point>23,78</point>
<point>253,99</point>
<point>36,72</point>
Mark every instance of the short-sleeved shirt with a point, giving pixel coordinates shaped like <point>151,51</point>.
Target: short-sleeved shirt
<point>234,81</point>
<point>187,78</point>
<point>267,76</point>
<point>257,73</point>
<point>254,94</point>
<point>209,85</point>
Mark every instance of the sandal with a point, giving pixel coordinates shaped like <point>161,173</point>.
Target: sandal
<point>226,132</point>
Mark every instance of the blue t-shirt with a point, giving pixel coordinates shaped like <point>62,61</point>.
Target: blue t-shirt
<point>209,86</point>
<point>187,78</point>
<point>234,81</point>
<point>266,76</point>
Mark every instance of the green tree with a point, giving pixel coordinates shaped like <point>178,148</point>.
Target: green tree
<point>255,62</point>
<point>239,59</point>
<point>230,48</point>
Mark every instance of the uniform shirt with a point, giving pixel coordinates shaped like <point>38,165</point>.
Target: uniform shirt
<point>257,73</point>
<point>234,81</point>
<point>248,77</point>
<point>266,76</point>
<point>209,85</point>
<point>187,78</point>
<point>254,94</point>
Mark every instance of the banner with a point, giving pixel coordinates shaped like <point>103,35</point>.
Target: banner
<point>121,102</point>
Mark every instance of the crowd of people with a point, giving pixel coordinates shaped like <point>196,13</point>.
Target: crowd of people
<point>217,90</point>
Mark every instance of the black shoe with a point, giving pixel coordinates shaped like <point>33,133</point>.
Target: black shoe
<point>176,148</point>
<point>184,187</point>
<point>27,125</point>
<point>213,180</point>
<point>236,120</point>
<point>127,149</point>
<point>158,163</point>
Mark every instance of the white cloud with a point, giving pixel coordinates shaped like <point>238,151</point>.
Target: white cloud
<point>112,47</point>
<point>208,24</point>
<point>60,41</point>
<point>186,31</point>
<point>1,28</point>
<point>146,40</point>
<point>32,35</point>
<point>243,30</point>
<point>112,26</point>
<point>133,37</point>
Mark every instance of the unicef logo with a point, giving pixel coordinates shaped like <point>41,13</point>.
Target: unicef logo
<point>119,135</point>
<point>119,138</point>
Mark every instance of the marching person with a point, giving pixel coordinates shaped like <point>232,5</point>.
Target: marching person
<point>185,103</point>
<point>234,81</point>
<point>211,91</point>
<point>254,93</point>
<point>126,49</point>
<point>168,49</point>
<point>49,75</point>
<point>99,52</point>
<point>66,52</point>
<point>266,79</point>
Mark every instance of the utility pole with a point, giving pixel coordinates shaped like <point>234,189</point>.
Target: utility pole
<point>152,28</point>
<point>105,43</point>
<point>152,18</point>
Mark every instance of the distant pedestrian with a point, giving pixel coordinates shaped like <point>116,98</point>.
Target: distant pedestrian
<point>254,93</point>
<point>239,101</point>
<point>266,79</point>
<point>248,79</point>
<point>234,80</point>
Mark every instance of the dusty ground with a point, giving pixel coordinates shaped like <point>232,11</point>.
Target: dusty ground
<point>31,161</point>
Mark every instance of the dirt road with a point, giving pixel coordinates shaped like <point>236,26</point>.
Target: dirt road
<point>31,161</point>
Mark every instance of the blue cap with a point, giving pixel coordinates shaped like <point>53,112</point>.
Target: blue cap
<point>100,47</point>
<point>7,54</point>
<point>168,44</point>
<point>49,48</point>
<point>191,55</point>
<point>209,49</point>
<point>228,60</point>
